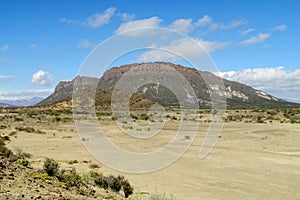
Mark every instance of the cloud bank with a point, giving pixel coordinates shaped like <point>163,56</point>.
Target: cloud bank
<point>276,81</point>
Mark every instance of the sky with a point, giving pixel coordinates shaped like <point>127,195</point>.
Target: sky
<point>254,42</point>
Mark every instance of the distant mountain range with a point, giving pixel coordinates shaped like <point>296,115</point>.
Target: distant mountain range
<point>237,94</point>
<point>19,103</point>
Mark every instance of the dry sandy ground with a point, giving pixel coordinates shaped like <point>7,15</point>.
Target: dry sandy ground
<point>250,161</point>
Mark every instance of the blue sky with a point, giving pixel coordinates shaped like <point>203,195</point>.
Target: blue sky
<point>254,42</point>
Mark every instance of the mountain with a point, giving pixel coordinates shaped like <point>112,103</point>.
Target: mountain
<point>237,94</point>
<point>5,105</point>
<point>19,103</point>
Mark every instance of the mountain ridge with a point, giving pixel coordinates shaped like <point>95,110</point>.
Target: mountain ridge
<point>20,103</point>
<point>237,94</point>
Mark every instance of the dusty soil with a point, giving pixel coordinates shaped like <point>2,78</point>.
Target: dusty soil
<point>250,160</point>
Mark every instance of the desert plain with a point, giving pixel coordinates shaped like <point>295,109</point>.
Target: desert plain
<point>257,155</point>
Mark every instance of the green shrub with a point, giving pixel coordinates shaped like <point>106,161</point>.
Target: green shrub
<point>66,137</point>
<point>70,177</point>
<point>259,119</point>
<point>93,174</point>
<point>72,162</point>
<point>43,176</point>
<point>13,133</point>
<point>111,182</point>
<point>272,112</point>
<point>132,116</point>
<point>187,137</point>
<point>56,119</point>
<point>23,161</point>
<point>5,151</point>
<point>101,181</point>
<point>6,138</point>
<point>174,118</point>
<point>114,183</point>
<point>127,127</point>
<point>26,129</point>
<point>144,116</point>
<point>22,155</point>
<point>17,119</point>
<point>127,188</point>
<point>50,166</point>
<point>3,126</point>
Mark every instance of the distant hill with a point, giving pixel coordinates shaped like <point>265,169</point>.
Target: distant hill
<point>237,94</point>
<point>5,105</point>
<point>19,103</point>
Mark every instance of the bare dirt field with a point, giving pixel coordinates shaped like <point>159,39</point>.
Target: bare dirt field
<point>250,161</point>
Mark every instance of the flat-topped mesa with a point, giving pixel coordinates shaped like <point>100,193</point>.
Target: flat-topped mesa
<point>203,83</point>
<point>118,72</point>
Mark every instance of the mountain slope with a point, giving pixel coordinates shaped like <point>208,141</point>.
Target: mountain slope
<point>237,94</point>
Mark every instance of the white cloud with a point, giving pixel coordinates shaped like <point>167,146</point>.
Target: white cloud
<point>245,32</point>
<point>27,94</point>
<point>127,17</point>
<point>256,39</point>
<point>42,78</point>
<point>5,59</point>
<point>186,48</point>
<point>139,24</point>
<point>33,46</point>
<point>68,21</point>
<point>208,22</point>
<point>97,20</point>
<point>234,24</point>
<point>4,48</point>
<point>182,25</point>
<point>204,21</point>
<point>281,27</point>
<point>86,44</point>
<point>276,81</point>
<point>6,78</point>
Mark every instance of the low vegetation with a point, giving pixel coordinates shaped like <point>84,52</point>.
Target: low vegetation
<point>20,157</point>
<point>30,130</point>
<point>71,178</point>
<point>15,121</point>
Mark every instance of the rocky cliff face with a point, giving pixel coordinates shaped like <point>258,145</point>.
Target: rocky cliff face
<point>82,80</point>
